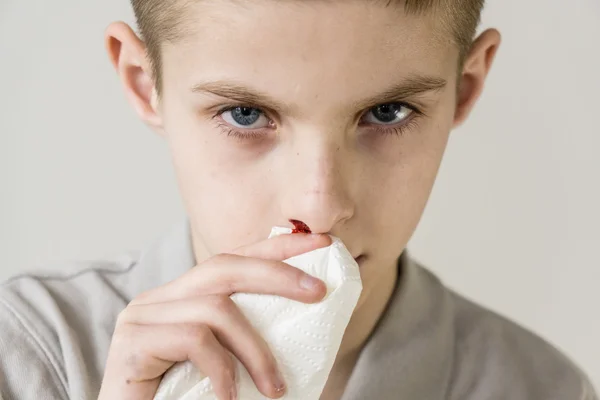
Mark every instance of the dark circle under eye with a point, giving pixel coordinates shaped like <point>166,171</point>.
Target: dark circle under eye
<point>245,115</point>
<point>386,113</point>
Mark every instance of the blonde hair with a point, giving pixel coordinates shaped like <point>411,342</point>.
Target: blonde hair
<point>162,21</point>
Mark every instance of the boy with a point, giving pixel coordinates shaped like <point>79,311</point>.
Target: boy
<point>334,113</point>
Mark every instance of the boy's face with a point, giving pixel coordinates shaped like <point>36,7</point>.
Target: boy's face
<point>333,113</point>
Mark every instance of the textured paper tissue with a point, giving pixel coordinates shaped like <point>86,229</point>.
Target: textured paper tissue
<point>304,338</point>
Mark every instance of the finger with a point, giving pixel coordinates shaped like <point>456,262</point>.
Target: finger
<point>226,274</point>
<point>140,355</point>
<point>229,325</point>
<point>284,246</point>
<point>214,361</point>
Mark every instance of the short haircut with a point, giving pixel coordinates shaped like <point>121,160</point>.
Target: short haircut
<point>162,21</point>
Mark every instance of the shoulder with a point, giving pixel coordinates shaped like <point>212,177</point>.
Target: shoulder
<point>56,328</point>
<point>67,294</point>
<point>496,358</point>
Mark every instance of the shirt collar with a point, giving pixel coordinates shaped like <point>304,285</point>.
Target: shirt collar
<point>410,353</point>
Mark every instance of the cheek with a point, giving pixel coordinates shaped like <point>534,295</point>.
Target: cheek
<point>226,198</point>
<point>399,190</point>
<point>219,191</point>
<point>203,159</point>
<point>218,198</point>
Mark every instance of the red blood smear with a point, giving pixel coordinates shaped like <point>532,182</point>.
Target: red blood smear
<point>300,227</point>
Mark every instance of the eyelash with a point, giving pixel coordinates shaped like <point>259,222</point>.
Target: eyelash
<point>405,127</point>
<point>400,130</point>
<point>228,130</point>
<point>237,133</point>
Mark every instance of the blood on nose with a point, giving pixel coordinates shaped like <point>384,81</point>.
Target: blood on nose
<point>300,227</point>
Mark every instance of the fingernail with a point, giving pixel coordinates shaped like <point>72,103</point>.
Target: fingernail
<point>309,283</point>
<point>278,383</point>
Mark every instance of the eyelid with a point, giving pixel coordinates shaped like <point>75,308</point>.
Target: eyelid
<point>415,108</point>
<point>414,112</point>
<point>398,130</point>
<point>218,110</point>
<point>241,134</point>
<point>229,120</point>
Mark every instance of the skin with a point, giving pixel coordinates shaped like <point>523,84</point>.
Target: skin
<point>317,153</point>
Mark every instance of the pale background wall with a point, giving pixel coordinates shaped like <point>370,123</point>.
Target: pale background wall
<point>514,220</point>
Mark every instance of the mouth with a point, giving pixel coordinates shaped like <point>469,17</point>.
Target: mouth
<point>360,259</point>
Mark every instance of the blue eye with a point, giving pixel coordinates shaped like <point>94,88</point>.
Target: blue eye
<point>388,114</point>
<point>245,117</point>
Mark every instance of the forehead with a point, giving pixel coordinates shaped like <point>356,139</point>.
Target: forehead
<point>278,46</point>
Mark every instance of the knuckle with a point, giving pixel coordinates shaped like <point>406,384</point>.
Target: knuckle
<point>281,268</point>
<point>199,336</point>
<point>135,364</point>
<point>217,267</point>
<point>228,285</point>
<point>264,360</point>
<point>124,336</point>
<point>267,365</point>
<point>123,316</point>
<point>224,369</point>
<point>223,304</point>
<point>127,349</point>
<point>267,360</point>
<point>295,275</point>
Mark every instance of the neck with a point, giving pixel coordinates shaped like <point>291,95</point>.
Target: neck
<point>370,309</point>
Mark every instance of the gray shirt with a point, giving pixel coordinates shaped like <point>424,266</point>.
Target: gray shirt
<point>431,344</point>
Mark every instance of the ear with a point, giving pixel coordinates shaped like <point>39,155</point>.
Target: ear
<point>129,57</point>
<point>476,68</point>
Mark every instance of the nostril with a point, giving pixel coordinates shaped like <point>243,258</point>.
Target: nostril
<point>300,227</point>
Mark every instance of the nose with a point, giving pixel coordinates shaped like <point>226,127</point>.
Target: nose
<point>317,188</point>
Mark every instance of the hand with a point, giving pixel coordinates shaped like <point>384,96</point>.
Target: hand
<point>193,318</point>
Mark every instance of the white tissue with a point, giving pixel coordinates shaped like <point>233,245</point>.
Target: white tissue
<point>304,338</point>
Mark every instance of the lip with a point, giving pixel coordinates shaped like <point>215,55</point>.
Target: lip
<point>360,259</point>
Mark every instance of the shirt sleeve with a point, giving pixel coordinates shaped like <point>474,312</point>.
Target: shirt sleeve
<point>26,372</point>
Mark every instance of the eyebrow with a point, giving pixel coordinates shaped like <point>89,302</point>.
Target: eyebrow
<point>239,93</point>
<point>408,88</point>
<point>413,86</point>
